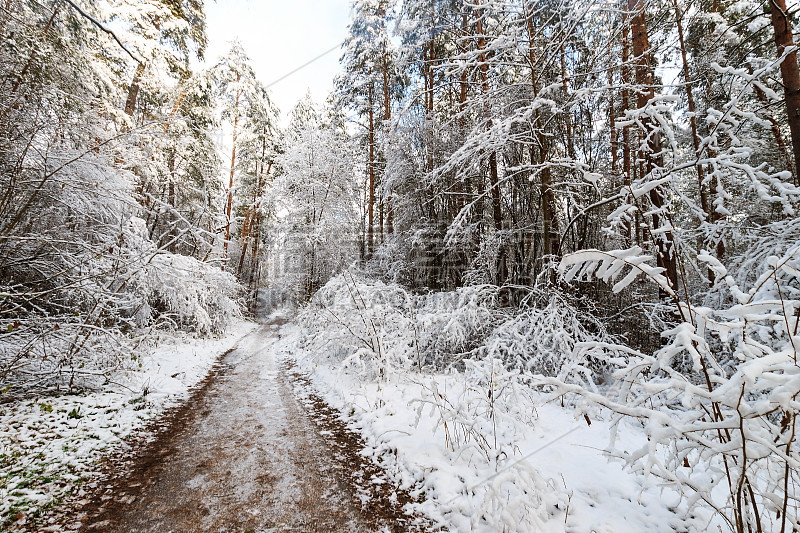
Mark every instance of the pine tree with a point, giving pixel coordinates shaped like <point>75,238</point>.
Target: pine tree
<point>246,107</point>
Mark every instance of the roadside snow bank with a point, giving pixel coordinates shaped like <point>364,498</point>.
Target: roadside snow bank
<point>51,445</point>
<point>542,469</point>
<point>467,403</point>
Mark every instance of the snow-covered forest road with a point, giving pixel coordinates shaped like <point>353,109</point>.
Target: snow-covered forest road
<point>245,457</point>
<point>533,266</point>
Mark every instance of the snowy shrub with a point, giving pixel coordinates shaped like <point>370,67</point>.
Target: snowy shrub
<point>724,435</point>
<point>453,324</point>
<point>61,352</point>
<point>395,329</point>
<point>92,280</point>
<point>542,340</point>
<point>190,293</point>
<point>483,404</point>
<point>484,413</point>
<point>439,330</point>
<point>129,288</point>
<point>370,322</point>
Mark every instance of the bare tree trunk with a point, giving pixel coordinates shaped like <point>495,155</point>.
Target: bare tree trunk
<point>248,220</point>
<point>494,180</point>
<point>133,90</point>
<point>252,211</point>
<point>626,130</point>
<point>363,215</point>
<point>701,175</point>
<point>431,59</point>
<point>389,215</point>
<point>551,237</point>
<point>229,207</point>
<point>256,233</point>
<point>497,215</point>
<point>463,186</point>
<point>612,119</point>
<point>380,221</point>
<point>567,116</point>
<point>790,75</point>
<point>424,68</point>
<point>387,116</point>
<point>705,204</point>
<point>172,219</point>
<point>174,111</point>
<point>664,241</point>
<point>371,205</point>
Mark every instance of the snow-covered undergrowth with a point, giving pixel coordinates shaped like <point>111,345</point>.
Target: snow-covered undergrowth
<point>50,446</point>
<point>131,289</point>
<point>718,400</point>
<point>455,393</point>
<point>443,389</point>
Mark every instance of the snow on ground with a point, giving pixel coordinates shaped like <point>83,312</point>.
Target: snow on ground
<point>574,484</point>
<point>51,445</point>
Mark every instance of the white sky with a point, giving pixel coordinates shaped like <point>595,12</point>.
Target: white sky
<point>279,36</point>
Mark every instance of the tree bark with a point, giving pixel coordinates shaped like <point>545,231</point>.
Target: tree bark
<point>133,90</point>
<point>252,212</point>
<point>387,116</point>
<point>666,257</point>
<point>701,175</point>
<point>551,238</point>
<point>229,206</point>
<point>431,52</point>
<point>626,130</point>
<point>494,180</point>
<point>497,214</point>
<point>612,119</point>
<point>371,204</point>
<point>790,75</point>
<point>567,116</point>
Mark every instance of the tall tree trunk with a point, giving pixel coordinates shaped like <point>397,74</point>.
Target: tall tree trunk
<point>567,116</point>
<point>174,111</point>
<point>551,238</point>
<point>701,175</point>
<point>425,78</point>
<point>705,204</point>
<point>387,116</point>
<point>494,179</point>
<point>371,205</point>
<point>251,220</point>
<point>431,59</point>
<point>497,215</point>
<point>612,119</point>
<point>664,240</point>
<point>133,90</point>
<point>380,221</point>
<point>228,208</point>
<point>463,186</point>
<point>790,75</point>
<point>248,221</point>
<point>254,262</point>
<point>626,130</point>
<point>172,219</point>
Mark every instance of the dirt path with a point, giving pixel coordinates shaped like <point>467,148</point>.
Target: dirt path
<point>243,455</point>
